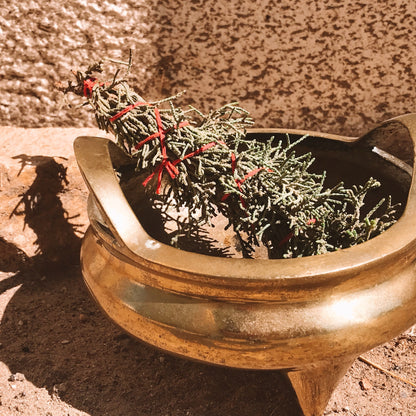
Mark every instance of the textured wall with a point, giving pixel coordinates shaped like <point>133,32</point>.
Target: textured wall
<point>337,66</point>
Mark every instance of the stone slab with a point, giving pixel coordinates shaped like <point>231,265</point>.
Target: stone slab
<point>42,194</point>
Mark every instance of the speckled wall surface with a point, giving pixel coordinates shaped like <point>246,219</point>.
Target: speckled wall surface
<point>335,66</point>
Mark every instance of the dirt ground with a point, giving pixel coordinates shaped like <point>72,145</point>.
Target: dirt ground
<point>336,66</point>
<point>63,357</point>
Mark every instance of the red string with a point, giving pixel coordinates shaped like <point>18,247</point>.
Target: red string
<point>195,152</point>
<point>171,166</point>
<point>126,110</point>
<point>88,86</point>
<point>239,182</point>
<point>154,135</point>
<point>89,83</point>
<point>233,162</point>
<point>286,239</point>
<point>166,163</point>
<point>161,133</point>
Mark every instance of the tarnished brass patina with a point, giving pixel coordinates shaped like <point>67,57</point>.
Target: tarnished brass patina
<point>310,317</point>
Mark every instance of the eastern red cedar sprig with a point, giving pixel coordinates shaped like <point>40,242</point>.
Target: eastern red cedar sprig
<point>204,164</point>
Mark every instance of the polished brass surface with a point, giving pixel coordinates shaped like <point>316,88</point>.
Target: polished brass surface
<point>314,385</point>
<point>309,317</point>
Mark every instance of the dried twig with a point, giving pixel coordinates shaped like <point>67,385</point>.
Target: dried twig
<point>396,376</point>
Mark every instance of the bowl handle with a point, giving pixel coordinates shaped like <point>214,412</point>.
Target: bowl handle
<point>97,157</point>
<point>376,140</point>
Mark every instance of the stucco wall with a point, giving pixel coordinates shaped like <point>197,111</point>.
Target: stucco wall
<point>336,66</point>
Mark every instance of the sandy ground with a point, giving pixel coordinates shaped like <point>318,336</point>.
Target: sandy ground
<point>331,66</point>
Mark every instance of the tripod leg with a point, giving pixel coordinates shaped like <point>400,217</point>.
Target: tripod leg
<point>314,386</point>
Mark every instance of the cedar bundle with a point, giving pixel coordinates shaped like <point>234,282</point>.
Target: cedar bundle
<point>205,164</point>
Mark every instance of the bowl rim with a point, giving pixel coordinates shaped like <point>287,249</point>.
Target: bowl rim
<point>97,157</point>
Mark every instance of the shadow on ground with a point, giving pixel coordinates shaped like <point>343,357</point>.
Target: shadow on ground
<point>55,335</point>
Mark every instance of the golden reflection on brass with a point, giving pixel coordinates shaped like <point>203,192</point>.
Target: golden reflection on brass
<point>309,317</point>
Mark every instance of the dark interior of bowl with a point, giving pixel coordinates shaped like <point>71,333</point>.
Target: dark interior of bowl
<point>350,163</point>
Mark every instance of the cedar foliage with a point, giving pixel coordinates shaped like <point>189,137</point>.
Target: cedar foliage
<point>205,164</point>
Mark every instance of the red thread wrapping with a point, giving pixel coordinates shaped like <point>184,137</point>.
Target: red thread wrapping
<point>161,133</point>
<point>239,182</point>
<point>166,163</point>
<point>126,110</point>
<point>88,86</point>
<point>196,152</point>
<point>171,166</point>
<point>157,134</point>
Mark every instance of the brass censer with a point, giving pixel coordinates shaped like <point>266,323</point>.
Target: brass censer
<point>310,317</point>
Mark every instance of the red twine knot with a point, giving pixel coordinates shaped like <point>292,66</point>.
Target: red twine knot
<point>239,182</point>
<point>88,86</point>
<point>166,164</point>
<point>126,110</point>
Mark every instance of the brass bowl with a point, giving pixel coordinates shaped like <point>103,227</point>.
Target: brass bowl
<point>310,317</point>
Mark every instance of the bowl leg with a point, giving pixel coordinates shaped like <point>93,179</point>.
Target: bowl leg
<point>314,385</point>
